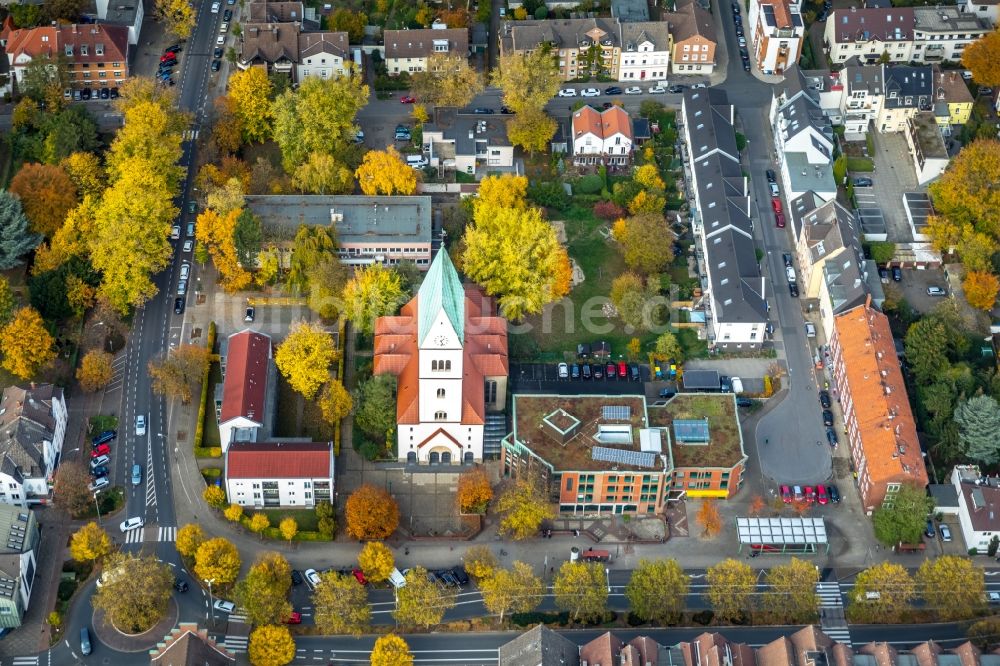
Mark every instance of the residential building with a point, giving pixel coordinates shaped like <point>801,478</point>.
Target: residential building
<point>245,405</point>
<point>978,506</point>
<point>377,229</point>
<point>863,94</point>
<point>803,139</point>
<point>694,39</point>
<point>734,297</point>
<point>906,91</point>
<point>645,54</point>
<point>18,562</point>
<point>594,454</point>
<point>283,47</point>
<point>886,97</point>
<point>540,646</point>
<point>984,9</point>
<point>128,15</point>
<point>706,444</point>
<point>868,33</point>
<point>284,11</point>
<point>279,473</point>
<point>408,50</point>
<point>953,101</point>
<point>775,32</point>
<point>927,149</point>
<point>881,431</point>
<point>448,350</point>
<point>323,54</point>
<point>469,143</point>
<point>96,54</point>
<point>186,645</point>
<point>602,137</point>
<point>32,430</point>
<point>942,32</point>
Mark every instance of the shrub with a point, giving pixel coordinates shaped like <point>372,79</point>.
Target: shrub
<point>703,618</point>
<point>549,195</point>
<point>529,619</point>
<point>609,210</point>
<point>541,13</point>
<point>199,429</point>
<point>590,184</point>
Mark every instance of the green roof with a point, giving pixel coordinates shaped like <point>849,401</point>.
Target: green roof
<point>441,290</point>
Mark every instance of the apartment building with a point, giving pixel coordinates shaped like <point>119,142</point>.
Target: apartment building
<point>775,32</point>
<point>941,33</point>
<point>279,473</point>
<point>694,38</point>
<point>885,97</point>
<point>286,48</point>
<point>469,143</point>
<point>984,9</point>
<point>96,55</point>
<point>881,431</point>
<point>868,33</point>
<point>645,54</point>
<point>803,139</point>
<point>19,553</point>
<point>408,50</point>
<point>734,289</point>
<point>953,101</point>
<point>602,137</point>
<point>32,432</point>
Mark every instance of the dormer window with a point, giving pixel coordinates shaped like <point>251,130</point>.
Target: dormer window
<point>83,49</point>
<point>69,50</point>
<point>440,393</point>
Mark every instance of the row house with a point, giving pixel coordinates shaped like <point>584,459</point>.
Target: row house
<point>884,96</point>
<point>627,52</point>
<point>775,31</point>
<point>735,292</point>
<point>693,38</point>
<point>881,431</point>
<point>32,431</point>
<point>96,55</point>
<point>602,137</point>
<point>409,50</point>
<point>285,48</point>
<point>803,139</point>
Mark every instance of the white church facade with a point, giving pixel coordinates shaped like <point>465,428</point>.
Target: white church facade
<point>449,353</point>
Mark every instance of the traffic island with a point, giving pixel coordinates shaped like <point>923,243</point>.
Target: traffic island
<point>122,641</point>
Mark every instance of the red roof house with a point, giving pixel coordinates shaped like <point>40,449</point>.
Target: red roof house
<point>244,406</point>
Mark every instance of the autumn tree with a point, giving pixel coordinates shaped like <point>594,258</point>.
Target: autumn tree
<point>731,585</point>
<point>881,593</point>
<point>214,496</point>
<point>233,512</point>
<point>709,518</point>
<point>178,16</point>
<point>374,291</point>
<point>216,233</point>
<point>581,589</point>
<point>422,603</point>
<point>981,289</point>
<point>638,303</point>
<point>189,539</point>
<point>951,586</point>
<point>70,492</point>
<point>341,605</point>
<point>89,543</point>
<point>964,194</point>
<point>391,650</point>
<point>335,401</point>
<point>26,344</point>
<point>474,491</point>
<point>480,562</point>
<point>668,348</point>
<point>503,191</point>
<point>47,195</point>
<point>983,633</point>
<point>514,590</point>
<point>532,130</point>
<point>528,82</point>
<point>271,645</point>
<point>95,371</point>
<point>371,513</point>
<point>288,527</point>
<point>180,371</point>
<point>350,21</point>
<point>646,241</point>
<point>305,356</point>
<point>791,595</point>
<point>8,304</point>
<point>376,560</point>
<point>449,80</point>
<point>250,91</point>
<point>322,174</point>
<point>258,523</point>
<point>313,247</point>
<point>982,57</point>
<point>657,590</point>
<point>217,559</point>
<point>86,173</point>
<point>129,606</point>
<point>262,595</point>
<point>385,172</point>
<point>15,239</point>
<point>523,507</point>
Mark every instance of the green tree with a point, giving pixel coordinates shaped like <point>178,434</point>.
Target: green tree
<point>581,589</point>
<point>514,590</point>
<point>731,585</point>
<point>421,603</point>
<point>263,593</point>
<point>882,252</point>
<point>313,245</point>
<point>373,292</point>
<point>524,507</point>
<point>791,596</point>
<point>375,407</point>
<point>978,420</point>
<point>325,282</point>
<point>926,346</point>
<point>904,520</point>
<point>881,593</point>
<point>656,591</point>
<point>247,236</point>
<point>15,239</point>
<point>341,605</point>
<point>131,607</point>
<point>983,634</point>
<point>953,587</point>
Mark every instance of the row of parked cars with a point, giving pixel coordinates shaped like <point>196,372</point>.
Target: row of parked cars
<point>611,370</point>
<point>86,94</point>
<point>820,494</point>
<point>738,22</point>
<point>454,577</point>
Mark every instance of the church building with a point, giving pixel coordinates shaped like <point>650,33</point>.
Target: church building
<point>449,352</point>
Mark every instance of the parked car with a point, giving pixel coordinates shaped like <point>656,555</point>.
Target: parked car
<point>585,371</point>
<point>821,495</point>
<point>634,372</point>
<point>776,205</point>
<point>667,393</point>
<point>296,577</point>
<point>883,274</point>
<point>897,274</point>
<point>945,533</point>
<point>460,575</point>
<point>102,450</point>
<point>293,618</point>
<point>590,92</point>
<point>744,402</point>
<point>359,576</point>
<point>786,494</point>
<point>574,371</point>
<point>612,90</point>
<point>218,52</point>
<point>567,92</point>
<point>810,330</point>
<point>610,371</point>
<point>787,259</point>
<point>831,436</point>
<point>827,417</point>
<point>179,305</point>
<point>483,111</point>
<point>216,65</point>
<point>99,471</point>
<point>85,647</point>
<point>563,371</point>
<point>104,437</point>
<point>790,273</point>
<point>224,606</point>
<point>797,493</point>
<point>793,289</point>
<point>99,461</point>
<point>407,99</point>
<point>216,7</point>
<point>824,399</point>
<point>863,182</point>
<point>658,89</point>
<point>598,371</point>
<point>131,524</point>
<point>312,578</point>
<point>249,314</point>
<point>929,529</point>
<point>810,494</point>
<point>622,369</point>
<point>699,86</point>
<point>725,384</point>
<point>779,220</point>
<point>936,291</point>
<point>180,585</point>
<point>773,186</point>
<point>223,27</point>
<point>227,15</point>
<point>834,494</point>
<point>633,90</point>
<point>98,484</point>
<point>675,89</point>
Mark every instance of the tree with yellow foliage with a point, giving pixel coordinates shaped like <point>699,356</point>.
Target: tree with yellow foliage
<point>648,176</point>
<point>966,193</point>
<point>524,508</point>
<point>708,516</point>
<point>982,57</point>
<point>288,527</point>
<point>503,191</point>
<point>374,291</point>
<point>731,585</point>
<point>26,344</point>
<point>322,174</point>
<point>95,370</point>
<point>528,82</point>
<point>89,543</point>
<point>474,491</point>
<point>86,172</point>
<point>250,91</point>
<point>215,232</point>
<point>214,496</point>
<point>981,289</point>
<point>647,201</point>
<point>233,513</point>
<point>419,113</point>
<point>376,560</point>
<point>646,240</point>
<point>217,559</point>
<point>449,80</point>
<point>271,645</point>
<point>189,538</point>
<point>70,240</point>
<point>391,650</point>
<point>371,513</point>
<point>305,356</point>
<point>531,129</point>
<point>514,590</point>
<point>177,15</point>
<point>385,172</point>
<point>335,401</point>
<point>480,562</point>
<point>259,522</point>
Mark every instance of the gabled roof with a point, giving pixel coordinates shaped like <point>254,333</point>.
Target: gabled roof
<point>279,460</point>
<point>422,43</point>
<point>270,43</point>
<point>26,423</point>
<point>312,43</point>
<point>441,291</point>
<point>275,12</point>
<point>539,646</point>
<point>689,20</point>
<point>188,645</point>
<point>245,387</point>
<point>913,86</point>
<point>602,124</point>
<point>103,42</point>
<point>894,24</point>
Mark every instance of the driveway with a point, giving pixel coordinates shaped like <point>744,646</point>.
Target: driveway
<point>893,176</point>
<point>914,288</point>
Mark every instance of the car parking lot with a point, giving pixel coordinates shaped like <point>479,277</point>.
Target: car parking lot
<point>914,285</point>
<point>544,378</point>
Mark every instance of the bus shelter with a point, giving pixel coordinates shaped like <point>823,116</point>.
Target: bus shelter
<point>777,536</point>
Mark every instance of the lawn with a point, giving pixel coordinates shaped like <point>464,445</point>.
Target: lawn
<point>306,518</point>
<point>725,445</point>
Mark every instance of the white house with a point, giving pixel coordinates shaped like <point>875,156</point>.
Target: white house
<point>978,506</point>
<point>942,32</point>
<point>868,33</point>
<point>279,474</point>
<point>602,137</point>
<point>803,139</point>
<point>323,54</point>
<point>775,34</point>
<point>984,9</point>
<point>127,14</point>
<point>32,430</point>
<point>449,353</point>
<point>244,410</point>
<point>467,142</point>
<point>19,539</point>
<point>645,52</point>
<point>408,50</point>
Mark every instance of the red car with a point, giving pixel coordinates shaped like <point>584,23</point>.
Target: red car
<point>610,370</point>
<point>810,494</point>
<point>786,494</point>
<point>294,618</point>
<point>406,99</point>
<point>779,220</point>
<point>622,369</point>
<point>101,450</point>
<point>776,204</point>
<point>359,575</point>
<point>168,56</point>
<point>821,495</point>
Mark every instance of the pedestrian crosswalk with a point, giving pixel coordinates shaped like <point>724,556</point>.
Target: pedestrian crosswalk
<point>831,610</point>
<point>236,643</point>
<point>190,135</point>
<point>166,534</point>
<point>135,536</point>
<point>25,661</point>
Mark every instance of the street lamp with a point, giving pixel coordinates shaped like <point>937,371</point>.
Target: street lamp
<point>607,574</point>
<point>211,602</point>
<point>97,506</point>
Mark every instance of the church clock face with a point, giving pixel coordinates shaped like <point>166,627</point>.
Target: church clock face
<point>441,340</point>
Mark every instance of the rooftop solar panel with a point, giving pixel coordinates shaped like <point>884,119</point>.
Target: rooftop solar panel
<point>624,457</point>
<point>616,412</point>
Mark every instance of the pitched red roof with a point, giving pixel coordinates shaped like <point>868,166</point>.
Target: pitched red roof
<point>112,41</point>
<point>245,386</point>
<point>279,460</point>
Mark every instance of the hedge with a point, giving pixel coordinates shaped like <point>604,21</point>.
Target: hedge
<point>199,429</point>
<point>208,452</point>
<point>342,339</point>
<point>211,472</point>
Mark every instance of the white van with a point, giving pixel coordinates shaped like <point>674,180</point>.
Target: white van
<point>737,385</point>
<point>416,161</point>
<point>397,579</point>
